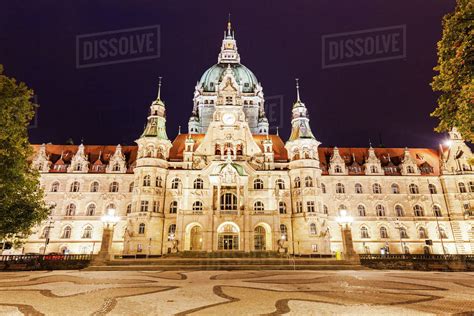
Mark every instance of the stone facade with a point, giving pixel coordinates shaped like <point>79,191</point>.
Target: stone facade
<point>228,185</point>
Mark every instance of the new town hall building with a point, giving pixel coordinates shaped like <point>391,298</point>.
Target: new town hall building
<point>228,185</point>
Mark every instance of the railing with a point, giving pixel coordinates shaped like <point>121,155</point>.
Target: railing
<point>413,257</point>
<point>50,257</point>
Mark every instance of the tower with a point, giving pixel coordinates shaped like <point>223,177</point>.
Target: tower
<point>305,175</point>
<point>146,219</point>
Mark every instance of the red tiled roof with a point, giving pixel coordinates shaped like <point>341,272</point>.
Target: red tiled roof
<point>420,155</point>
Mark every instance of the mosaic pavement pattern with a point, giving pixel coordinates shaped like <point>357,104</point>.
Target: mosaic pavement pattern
<point>236,293</point>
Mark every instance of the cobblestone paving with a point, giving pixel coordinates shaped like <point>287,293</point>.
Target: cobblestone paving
<point>236,293</point>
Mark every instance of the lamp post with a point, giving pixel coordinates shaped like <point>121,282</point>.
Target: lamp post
<point>109,220</point>
<point>345,222</point>
<point>48,230</point>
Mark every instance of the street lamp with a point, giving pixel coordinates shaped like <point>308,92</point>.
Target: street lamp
<point>345,221</point>
<point>109,220</point>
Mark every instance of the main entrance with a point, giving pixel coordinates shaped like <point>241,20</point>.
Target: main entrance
<point>228,236</point>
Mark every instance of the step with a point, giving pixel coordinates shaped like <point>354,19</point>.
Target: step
<point>222,267</point>
<point>227,261</point>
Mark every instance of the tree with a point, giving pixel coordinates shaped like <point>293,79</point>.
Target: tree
<point>455,72</point>
<point>21,198</point>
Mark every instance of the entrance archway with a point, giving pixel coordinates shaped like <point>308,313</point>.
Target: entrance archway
<point>228,236</point>
<point>196,238</point>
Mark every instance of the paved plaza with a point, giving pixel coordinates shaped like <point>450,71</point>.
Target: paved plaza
<point>236,293</point>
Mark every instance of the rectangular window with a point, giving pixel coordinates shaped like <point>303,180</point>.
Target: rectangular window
<point>155,206</point>
<point>144,206</point>
<point>314,248</point>
<point>310,206</point>
<point>299,207</point>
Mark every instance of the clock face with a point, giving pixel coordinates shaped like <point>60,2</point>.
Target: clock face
<point>228,119</point>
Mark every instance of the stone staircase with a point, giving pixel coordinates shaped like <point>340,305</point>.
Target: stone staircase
<point>227,261</point>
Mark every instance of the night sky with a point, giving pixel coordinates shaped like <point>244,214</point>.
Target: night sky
<point>277,40</point>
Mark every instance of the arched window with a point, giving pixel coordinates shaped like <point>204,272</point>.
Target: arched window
<point>323,188</point>
<point>95,186</point>
<point>337,169</point>
<point>410,169</point>
<point>325,209</point>
<point>258,184</point>
<point>364,232</point>
<point>422,233</point>
<point>71,209</point>
<point>171,231</point>
<point>395,189</point>
<point>45,232</point>
<point>116,167</point>
<point>297,182</point>
<point>75,186</point>
<point>340,188</point>
<point>87,232</point>
<point>462,187</point>
<point>342,207</point>
<point>282,207</point>
<point>114,187</point>
<point>141,229</point>
<point>399,211</point>
<point>308,182</point>
<point>442,233</point>
<point>361,210</point>
<point>432,188</point>
<point>383,232</point>
<point>413,188</point>
<point>284,232</point>
<point>129,208</point>
<point>376,188</point>
<point>197,206</point>
<point>91,209</point>
<point>280,184</point>
<point>131,186</point>
<point>403,233</point>
<point>175,183</point>
<point>66,232</point>
<point>258,206</point>
<point>358,188</point>
<point>147,181</point>
<point>158,182</point>
<point>418,210</point>
<point>380,210</point>
<point>437,211</point>
<point>174,207</point>
<point>312,229</point>
<point>55,186</point>
<point>374,169</point>
<point>198,184</point>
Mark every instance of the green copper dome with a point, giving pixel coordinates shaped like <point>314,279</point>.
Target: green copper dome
<point>213,77</point>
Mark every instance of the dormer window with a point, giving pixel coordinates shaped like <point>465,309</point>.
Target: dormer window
<point>337,169</point>
<point>228,100</point>
<point>410,170</point>
<point>78,167</point>
<point>374,169</point>
<point>116,167</point>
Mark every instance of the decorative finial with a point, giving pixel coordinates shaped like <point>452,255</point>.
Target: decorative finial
<point>370,143</point>
<point>229,26</point>
<point>159,88</point>
<point>179,130</point>
<point>297,90</point>
<point>277,131</point>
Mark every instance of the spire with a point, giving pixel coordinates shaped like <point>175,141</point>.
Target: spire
<point>158,97</point>
<point>229,53</point>
<point>297,90</point>
<point>300,120</point>
<point>229,27</point>
<point>156,122</point>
